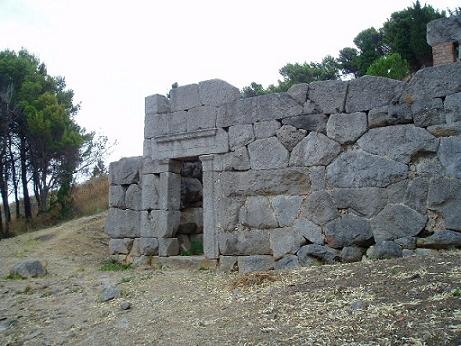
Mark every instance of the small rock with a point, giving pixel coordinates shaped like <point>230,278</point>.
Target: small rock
<point>358,305</point>
<point>125,306</point>
<point>109,292</point>
<point>28,269</point>
<point>384,250</point>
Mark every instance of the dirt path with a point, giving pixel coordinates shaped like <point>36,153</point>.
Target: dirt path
<point>414,301</point>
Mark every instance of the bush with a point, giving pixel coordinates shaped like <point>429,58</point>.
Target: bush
<point>390,66</point>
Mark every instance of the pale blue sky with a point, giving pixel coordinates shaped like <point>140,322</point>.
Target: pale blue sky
<point>114,53</point>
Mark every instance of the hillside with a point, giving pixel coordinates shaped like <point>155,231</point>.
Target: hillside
<point>412,301</point>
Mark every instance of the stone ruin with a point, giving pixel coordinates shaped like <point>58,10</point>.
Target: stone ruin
<point>327,172</point>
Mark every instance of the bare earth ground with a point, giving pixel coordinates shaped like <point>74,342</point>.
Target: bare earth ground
<point>413,301</point>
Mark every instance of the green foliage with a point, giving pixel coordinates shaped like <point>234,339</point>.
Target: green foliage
<point>14,276</point>
<point>390,66</point>
<point>111,266</point>
<point>254,89</point>
<point>456,293</point>
<point>348,61</point>
<point>196,248</point>
<point>405,33</point>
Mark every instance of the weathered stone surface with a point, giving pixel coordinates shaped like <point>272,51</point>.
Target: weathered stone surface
<point>135,249</point>
<point>216,92</point>
<point>120,246</point>
<point>416,194</point>
<point>191,221</point>
<point>245,242</point>
<point>125,171</point>
<point>351,254</point>
<point>184,243</point>
<point>287,262</point>
<point>406,242</point>
<point>308,122</point>
<point>441,240</point>
<point>240,135</point>
<point>151,166</point>
<point>318,178</point>
<point>428,112</point>
<point>148,246</point>
<point>237,160</point>
<point>165,124</point>
<point>360,169</point>
<point>347,128</point>
<point>444,196</point>
<point>436,81</point>
<point>348,230</point>
<point>109,292</point>
<point>428,165</point>
<point>157,104</point>
<point>133,197</point>
<point>309,231</point>
<point>123,223</point>
<point>396,192</point>
<point>184,97</point>
<point>257,263</point>
<point>323,253</point>
<point>308,261</point>
<point>168,247</point>
<point>191,192</point>
<point>330,96</point>
<point>384,250</point>
<point>397,221</point>
<point>268,153</point>
<point>299,92</point>
<point>286,209</point>
<point>389,115</point>
<point>399,142</point>
<point>258,213</point>
<point>319,207</point>
<point>266,129</point>
<point>192,169</point>
<point>150,191</point>
<point>199,118</point>
<point>449,154</point>
<point>453,107</point>
<point>228,264</point>
<point>314,150</point>
<point>227,213</point>
<point>30,268</point>
<point>170,191</point>
<point>445,130</point>
<point>408,253</point>
<point>444,30</point>
<point>287,181</point>
<point>370,92</point>
<point>159,223</point>
<point>258,108</point>
<point>425,252</point>
<point>117,196</point>
<point>366,201</point>
<point>289,136</point>
<point>285,241</point>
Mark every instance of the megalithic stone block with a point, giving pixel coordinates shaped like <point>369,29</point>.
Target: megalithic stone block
<point>168,247</point>
<point>157,104</point>
<point>123,223</point>
<point>159,223</point>
<point>151,191</point>
<point>117,196</point>
<point>125,171</point>
<point>170,191</point>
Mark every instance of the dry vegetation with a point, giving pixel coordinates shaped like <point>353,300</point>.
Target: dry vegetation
<point>408,301</point>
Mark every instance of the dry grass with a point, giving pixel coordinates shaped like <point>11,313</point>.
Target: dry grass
<point>254,279</point>
<point>91,197</point>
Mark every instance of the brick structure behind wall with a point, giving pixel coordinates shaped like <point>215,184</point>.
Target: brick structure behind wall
<point>444,53</point>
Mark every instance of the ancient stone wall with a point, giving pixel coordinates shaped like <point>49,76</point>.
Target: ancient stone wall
<point>444,35</point>
<point>327,172</point>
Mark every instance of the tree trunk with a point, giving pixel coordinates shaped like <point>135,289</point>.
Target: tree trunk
<point>25,188</point>
<point>2,235</point>
<point>14,177</point>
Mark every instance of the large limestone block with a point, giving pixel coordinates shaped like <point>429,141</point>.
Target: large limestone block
<point>120,246</point>
<point>319,207</point>
<point>286,181</point>
<point>268,153</point>
<point>428,112</point>
<point>201,118</point>
<point>346,128</point>
<point>369,92</point>
<point>416,194</point>
<point>227,213</point>
<point>449,154</point>
<point>360,169</point>
<point>308,122</point>
<point>151,166</point>
<point>436,81</point>
<point>389,115</point>
<point>286,209</point>
<point>191,221</point>
<point>330,96</point>
<point>123,223</point>
<point>452,106</point>
<point>148,246</point>
<point>245,242</point>
<point>399,142</point>
<point>125,171</point>
<point>258,263</point>
<point>168,247</point>
<point>151,190</point>
<point>288,262</point>
<point>240,135</point>
<point>237,160</point>
<point>299,92</point>
<point>266,129</point>
<point>444,239</point>
<point>384,250</point>
<point>309,231</point>
<point>157,104</point>
<point>323,253</point>
<point>159,223</point>
<point>367,201</point>
<point>258,213</point>
<point>285,241</point>
<point>117,196</point>
<point>184,97</point>
<point>348,230</point>
<point>444,30</point>
<point>258,108</point>
<point>133,198</point>
<point>170,191</point>
<point>444,196</point>
<point>215,92</point>
<point>351,254</point>
<point>397,221</point>
<point>314,150</point>
<point>290,136</point>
